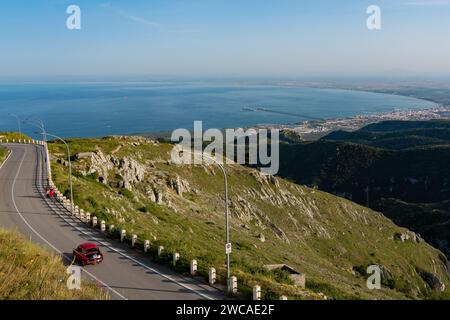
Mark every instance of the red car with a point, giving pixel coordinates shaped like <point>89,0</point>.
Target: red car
<point>50,192</point>
<point>87,253</point>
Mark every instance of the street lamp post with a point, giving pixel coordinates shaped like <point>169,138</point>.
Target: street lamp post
<point>18,122</point>
<point>227,226</point>
<point>228,245</point>
<point>70,166</point>
<point>40,125</point>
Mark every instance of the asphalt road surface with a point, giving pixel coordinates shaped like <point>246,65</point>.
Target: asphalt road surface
<point>126,273</point>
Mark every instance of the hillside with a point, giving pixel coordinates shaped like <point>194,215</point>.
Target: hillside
<point>431,220</point>
<point>407,161</point>
<point>13,135</point>
<point>131,182</point>
<point>397,135</point>
<point>348,169</point>
<point>29,272</point>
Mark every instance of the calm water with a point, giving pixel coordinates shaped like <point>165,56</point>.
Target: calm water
<point>97,109</point>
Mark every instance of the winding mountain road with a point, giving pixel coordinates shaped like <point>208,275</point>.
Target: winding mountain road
<point>126,273</point>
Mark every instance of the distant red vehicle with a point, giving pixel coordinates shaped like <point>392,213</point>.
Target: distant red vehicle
<point>50,192</point>
<point>87,253</point>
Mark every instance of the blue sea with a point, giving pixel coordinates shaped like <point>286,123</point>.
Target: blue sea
<point>88,109</point>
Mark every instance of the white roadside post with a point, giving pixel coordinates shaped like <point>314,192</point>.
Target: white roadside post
<point>176,257</point>
<point>232,285</point>
<point>123,233</point>
<point>94,221</point>
<point>193,267</point>
<point>88,217</point>
<point>283,298</point>
<point>160,251</point>
<point>212,276</point>
<point>257,292</point>
<point>103,226</point>
<point>133,240</point>
<point>111,228</point>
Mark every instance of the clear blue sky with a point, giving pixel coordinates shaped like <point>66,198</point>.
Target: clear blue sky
<point>225,38</point>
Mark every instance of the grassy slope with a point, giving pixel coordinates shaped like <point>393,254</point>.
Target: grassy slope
<point>404,160</point>
<point>10,136</point>
<point>328,236</point>
<point>431,220</point>
<point>343,167</point>
<point>13,135</point>
<point>29,272</point>
<point>3,154</point>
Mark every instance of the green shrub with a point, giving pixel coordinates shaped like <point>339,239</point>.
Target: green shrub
<point>329,290</point>
<point>126,193</point>
<point>94,176</point>
<point>92,202</point>
<point>361,270</point>
<point>145,209</point>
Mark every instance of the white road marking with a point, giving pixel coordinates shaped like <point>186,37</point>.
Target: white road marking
<point>45,240</point>
<point>3,163</point>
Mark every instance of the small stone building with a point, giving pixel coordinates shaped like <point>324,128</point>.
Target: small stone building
<point>298,277</point>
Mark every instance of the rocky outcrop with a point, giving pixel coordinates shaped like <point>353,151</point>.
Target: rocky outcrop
<point>407,236</point>
<point>273,180</point>
<point>431,279</point>
<point>84,155</point>
<point>132,172</point>
<point>247,212</point>
<point>98,163</point>
<point>150,193</point>
<point>262,237</point>
<point>178,185</point>
<point>129,170</point>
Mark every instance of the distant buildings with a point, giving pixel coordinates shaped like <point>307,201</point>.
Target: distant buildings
<point>310,130</point>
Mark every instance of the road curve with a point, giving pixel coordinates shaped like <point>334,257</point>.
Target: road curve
<point>126,273</point>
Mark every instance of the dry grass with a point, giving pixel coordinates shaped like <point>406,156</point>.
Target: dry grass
<point>29,272</point>
<point>13,135</point>
<point>3,154</point>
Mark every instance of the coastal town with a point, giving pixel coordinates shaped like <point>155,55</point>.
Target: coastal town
<point>315,129</point>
